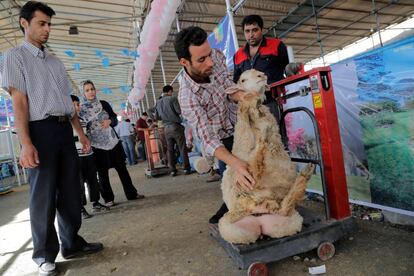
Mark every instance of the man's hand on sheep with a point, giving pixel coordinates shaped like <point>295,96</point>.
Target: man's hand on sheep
<point>244,180</point>
<point>237,96</point>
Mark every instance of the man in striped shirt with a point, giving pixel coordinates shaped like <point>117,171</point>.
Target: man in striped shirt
<point>43,110</point>
<point>205,105</point>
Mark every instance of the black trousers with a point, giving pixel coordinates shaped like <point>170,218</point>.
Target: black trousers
<point>89,175</point>
<point>114,158</point>
<point>174,134</point>
<point>54,185</point>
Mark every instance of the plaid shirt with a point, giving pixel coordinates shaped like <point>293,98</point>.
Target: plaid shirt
<point>206,106</point>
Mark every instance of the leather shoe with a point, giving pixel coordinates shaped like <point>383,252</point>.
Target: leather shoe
<point>87,248</point>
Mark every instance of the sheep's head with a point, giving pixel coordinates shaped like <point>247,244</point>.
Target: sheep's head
<point>251,82</point>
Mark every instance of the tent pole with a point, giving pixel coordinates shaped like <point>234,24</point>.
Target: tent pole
<point>318,35</point>
<point>162,69</point>
<point>374,10</point>
<point>232,26</point>
<point>153,91</point>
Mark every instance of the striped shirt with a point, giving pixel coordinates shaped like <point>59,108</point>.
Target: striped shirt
<point>206,106</point>
<point>42,77</point>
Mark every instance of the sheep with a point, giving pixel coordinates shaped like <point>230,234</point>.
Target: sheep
<point>268,209</point>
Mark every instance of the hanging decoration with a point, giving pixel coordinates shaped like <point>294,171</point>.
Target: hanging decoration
<point>70,53</point>
<point>153,34</point>
<point>106,90</point>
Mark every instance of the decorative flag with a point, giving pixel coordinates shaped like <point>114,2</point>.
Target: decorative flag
<point>106,90</point>
<point>76,66</point>
<point>222,38</point>
<point>134,54</point>
<point>125,88</point>
<point>105,62</point>
<point>98,53</point>
<point>70,53</point>
<point>125,52</point>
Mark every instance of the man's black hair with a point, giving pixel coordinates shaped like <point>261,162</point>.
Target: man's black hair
<point>167,88</point>
<point>144,113</point>
<point>185,38</point>
<point>252,19</point>
<point>28,10</point>
<point>74,98</point>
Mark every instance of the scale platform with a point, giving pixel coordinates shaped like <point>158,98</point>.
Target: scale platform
<point>317,232</point>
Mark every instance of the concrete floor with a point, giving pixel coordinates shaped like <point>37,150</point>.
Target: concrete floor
<point>167,234</point>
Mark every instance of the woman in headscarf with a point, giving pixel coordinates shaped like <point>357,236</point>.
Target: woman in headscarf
<point>100,120</point>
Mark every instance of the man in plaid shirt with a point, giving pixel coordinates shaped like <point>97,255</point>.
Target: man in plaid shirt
<point>206,106</point>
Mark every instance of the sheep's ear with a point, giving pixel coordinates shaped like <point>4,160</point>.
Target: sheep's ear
<point>232,89</point>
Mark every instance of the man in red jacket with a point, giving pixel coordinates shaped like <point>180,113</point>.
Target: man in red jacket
<point>141,123</point>
<point>268,55</point>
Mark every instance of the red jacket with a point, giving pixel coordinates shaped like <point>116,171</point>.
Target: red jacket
<point>141,123</point>
<point>271,59</point>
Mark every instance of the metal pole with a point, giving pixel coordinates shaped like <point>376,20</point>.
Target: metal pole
<point>176,76</point>
<point>142,106</point>
<point>237,6</point>
<point>374,10</point>
<point>291,55</point>
<point>16,167</point>
<point>146,100</point>
<point>153,91</point>
<point>177,22</point>
<point>232,26</point>
<point>318,35</point>
<point>162,69</point>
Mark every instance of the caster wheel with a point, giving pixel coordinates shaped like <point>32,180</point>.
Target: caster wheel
<point>258,269</point>
<point>326,250</point>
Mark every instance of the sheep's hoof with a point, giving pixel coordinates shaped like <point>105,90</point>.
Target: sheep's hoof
<point>258,269</point>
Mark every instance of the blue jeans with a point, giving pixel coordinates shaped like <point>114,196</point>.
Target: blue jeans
<point>128,146</point>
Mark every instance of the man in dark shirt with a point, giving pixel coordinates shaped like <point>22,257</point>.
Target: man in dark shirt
<point>168,110</point>
<point>268,55</point>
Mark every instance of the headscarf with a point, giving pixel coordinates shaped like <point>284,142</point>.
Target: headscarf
<point>92,113</point>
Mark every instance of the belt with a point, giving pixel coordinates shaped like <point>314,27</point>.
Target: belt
<point>58,119</point>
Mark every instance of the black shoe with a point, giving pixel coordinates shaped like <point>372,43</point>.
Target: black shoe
<point>97,207</point>
<point>187,172</point>
<point>173,173</point>
<point>87,248</point>
<point>138,196</point>
<point>85,214</point>
<point>219,214</point>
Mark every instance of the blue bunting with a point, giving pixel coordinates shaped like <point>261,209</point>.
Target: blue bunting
<point>76,66</point>
<point>125,88</point>
<point>106,90</point>
<point>125,52</point>
<point>105,62</point>
<point>134,54</point>
<point>70,53</point>
<point>98,53</point>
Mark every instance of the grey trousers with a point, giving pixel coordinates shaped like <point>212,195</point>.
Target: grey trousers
<point>174,134</point>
